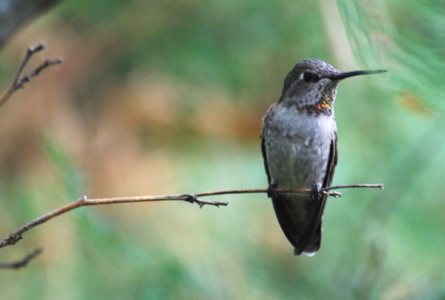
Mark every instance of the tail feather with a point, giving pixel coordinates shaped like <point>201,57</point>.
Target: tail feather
<point>300,220</point>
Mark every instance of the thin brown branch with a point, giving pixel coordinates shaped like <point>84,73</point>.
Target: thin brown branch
<point>16,235</point>
<point>22,263</point>
<point>19,82</point>
<point>349,186</point>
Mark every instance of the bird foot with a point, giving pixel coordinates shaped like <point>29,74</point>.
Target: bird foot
<point>271,191</point>
<point>315,192</point>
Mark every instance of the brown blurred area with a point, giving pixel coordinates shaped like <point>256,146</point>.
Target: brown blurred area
<point>121,131</point>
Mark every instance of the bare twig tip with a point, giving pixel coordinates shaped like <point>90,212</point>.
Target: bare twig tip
<point>56,61</point>
<point>37,48</point>
<point>18,83</point>
<point>24,262</point>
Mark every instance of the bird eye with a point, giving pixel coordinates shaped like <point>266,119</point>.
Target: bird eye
<point>310,77</point>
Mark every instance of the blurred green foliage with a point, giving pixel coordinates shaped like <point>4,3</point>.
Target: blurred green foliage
<point>162,97</point>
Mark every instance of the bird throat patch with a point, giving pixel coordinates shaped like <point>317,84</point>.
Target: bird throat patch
<point>323,107</point>
<point>326,101</point>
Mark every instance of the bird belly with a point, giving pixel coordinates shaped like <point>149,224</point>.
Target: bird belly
<point>297,156</point>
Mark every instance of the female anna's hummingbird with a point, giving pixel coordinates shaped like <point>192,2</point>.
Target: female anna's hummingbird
<point>299,144</point>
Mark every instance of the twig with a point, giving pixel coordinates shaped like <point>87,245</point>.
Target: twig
<point>348,186</point>
<point>16,235</point>
<point>19,83</point>
<point>23,263</point>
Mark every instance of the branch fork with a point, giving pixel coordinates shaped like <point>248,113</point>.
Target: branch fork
<point>19,82</point>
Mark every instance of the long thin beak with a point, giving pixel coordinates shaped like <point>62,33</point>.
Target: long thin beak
<point>355,73</point>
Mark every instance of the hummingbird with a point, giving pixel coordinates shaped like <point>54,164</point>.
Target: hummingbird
<point>299,146</point>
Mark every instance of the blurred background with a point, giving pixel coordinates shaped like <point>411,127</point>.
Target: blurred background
<point>163,97</point>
